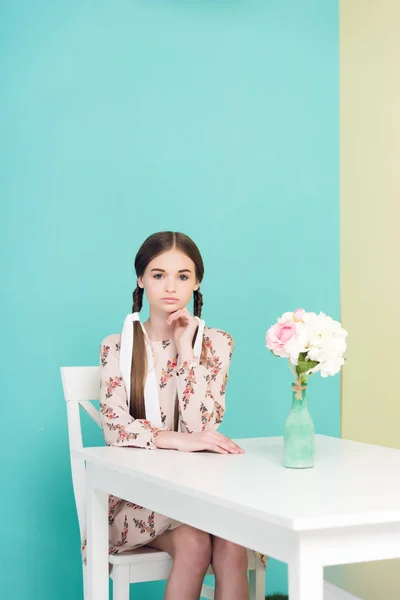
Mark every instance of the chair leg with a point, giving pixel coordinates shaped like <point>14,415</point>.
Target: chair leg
<point>121,582</point>
<point>84,579</point>
<point>257,582</point>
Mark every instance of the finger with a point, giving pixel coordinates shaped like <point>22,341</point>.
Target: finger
<point>233,449</point>
<point>220,450</point>
<point>177,315</point>
<point>181,312</point>
<point>237,447</point>
<point>230,442</point>
<point>217,448</point>
<point>178,312</point>
<point>228,447</point>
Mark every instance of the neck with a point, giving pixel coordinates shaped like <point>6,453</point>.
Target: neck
<point>156,327</point>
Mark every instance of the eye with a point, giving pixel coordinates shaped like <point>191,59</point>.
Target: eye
<point>159,275</point>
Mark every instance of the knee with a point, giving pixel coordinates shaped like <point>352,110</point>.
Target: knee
<point>194,547</point>
<point>227,555</point>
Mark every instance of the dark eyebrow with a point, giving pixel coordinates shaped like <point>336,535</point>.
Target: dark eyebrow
<point>181,271</point>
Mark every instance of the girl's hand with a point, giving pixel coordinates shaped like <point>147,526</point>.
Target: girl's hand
<point>195,442</point>
<point>184,325</point>
<point>208,440</point>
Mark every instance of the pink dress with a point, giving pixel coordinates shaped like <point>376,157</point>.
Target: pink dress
<point>201,392</point>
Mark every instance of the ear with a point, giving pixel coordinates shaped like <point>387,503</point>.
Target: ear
<point>196,287</point>
<point>140,282</point>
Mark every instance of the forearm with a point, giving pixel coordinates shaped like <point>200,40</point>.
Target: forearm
<point>201,386</point>
<point>168,440</point>
<point>185,354</point>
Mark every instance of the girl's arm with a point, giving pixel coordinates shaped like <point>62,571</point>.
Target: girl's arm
<point>119,427</point>
<point>201,391</point>
<point>202,388</point>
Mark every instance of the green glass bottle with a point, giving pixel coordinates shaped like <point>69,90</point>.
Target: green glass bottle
<point>299,436</point>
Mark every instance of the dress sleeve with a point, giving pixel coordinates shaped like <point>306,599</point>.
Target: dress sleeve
<point>201,387</point>
<point>119,427</point>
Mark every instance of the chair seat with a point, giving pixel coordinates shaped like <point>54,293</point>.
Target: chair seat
<point>146,554</point>
<point>143,553</point>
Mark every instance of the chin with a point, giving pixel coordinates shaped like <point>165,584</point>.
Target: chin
<point>170,308</point>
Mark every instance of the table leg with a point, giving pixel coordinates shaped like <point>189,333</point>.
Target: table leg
<point>97,544</point>
<point>306,577</point>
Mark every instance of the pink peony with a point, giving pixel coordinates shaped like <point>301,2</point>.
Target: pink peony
<point>278,336</point>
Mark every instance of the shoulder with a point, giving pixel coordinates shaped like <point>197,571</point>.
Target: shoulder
<point>219,337</point>
<point>111,342</point>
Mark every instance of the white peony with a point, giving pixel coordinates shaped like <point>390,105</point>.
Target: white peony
<point>319,338</point>
<point>299,343</point>
<point>287,316</point>
<point>327,343</point>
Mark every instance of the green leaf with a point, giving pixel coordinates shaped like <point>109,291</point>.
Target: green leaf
<point>305,365</point>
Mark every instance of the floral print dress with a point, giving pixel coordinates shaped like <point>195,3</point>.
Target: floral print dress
<point>201,393</point>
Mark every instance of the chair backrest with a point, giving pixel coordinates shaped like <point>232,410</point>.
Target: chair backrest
<point>80,385</point>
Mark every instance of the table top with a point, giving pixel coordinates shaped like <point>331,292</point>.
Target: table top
<point>352,483</point>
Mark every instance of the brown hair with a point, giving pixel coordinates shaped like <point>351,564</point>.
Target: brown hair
<point>153,246</point>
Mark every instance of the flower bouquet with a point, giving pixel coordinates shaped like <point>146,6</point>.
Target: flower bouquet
<point>312,343</point>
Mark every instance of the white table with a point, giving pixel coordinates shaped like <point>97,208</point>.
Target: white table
<point>345,510</point>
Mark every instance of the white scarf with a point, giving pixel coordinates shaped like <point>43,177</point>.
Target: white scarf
<point>151,399</point>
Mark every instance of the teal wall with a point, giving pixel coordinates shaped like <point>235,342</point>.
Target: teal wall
<point>122,118</point>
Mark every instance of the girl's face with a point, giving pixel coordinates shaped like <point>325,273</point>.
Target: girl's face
<point>169,275</point>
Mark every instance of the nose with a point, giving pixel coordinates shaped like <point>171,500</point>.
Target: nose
<point>170,288</point>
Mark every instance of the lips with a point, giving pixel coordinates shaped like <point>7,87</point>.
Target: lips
<point>170,299</point>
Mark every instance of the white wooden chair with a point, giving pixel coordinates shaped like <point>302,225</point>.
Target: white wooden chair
<point>82,385</point>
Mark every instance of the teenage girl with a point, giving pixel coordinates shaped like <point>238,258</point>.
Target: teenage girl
<point>187,404</point>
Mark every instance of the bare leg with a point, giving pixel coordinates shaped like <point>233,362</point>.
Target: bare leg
<point>190,549</point>
<point>229,562</point>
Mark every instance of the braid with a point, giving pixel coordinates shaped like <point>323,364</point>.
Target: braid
<point>137,299</point>
<point>197,303</point>
<point>138,362</point>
